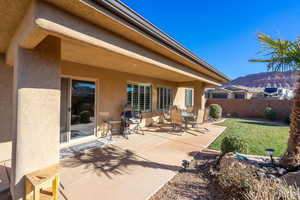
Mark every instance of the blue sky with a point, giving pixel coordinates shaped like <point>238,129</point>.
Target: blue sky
<point>223,32</point>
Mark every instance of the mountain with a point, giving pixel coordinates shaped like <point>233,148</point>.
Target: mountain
<point>267,79</point>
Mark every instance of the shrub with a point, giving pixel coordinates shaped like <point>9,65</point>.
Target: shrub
<point>240,181</point>
<point>270,114</point>
<point>234,114</point>
<point>85,117</point>
<point>87,107</point>
<point>233,144</point>
<point>235,178</point>
<point>272,189</point>
<point>215,111</point>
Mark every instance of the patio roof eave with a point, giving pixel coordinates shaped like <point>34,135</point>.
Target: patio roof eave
<point>37,25</point>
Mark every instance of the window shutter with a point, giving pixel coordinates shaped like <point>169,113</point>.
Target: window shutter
<point>164,98</point>
<point>139,96</point>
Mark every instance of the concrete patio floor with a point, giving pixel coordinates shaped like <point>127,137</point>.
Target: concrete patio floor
<point>131,169</point>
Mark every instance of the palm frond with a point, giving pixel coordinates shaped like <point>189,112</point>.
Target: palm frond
<point>280,55</point>
<point>259,60</point>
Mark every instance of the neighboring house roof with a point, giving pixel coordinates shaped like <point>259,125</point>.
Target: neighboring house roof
<point>229,89</point>
<point>123,11</point>
<point>233,88</point>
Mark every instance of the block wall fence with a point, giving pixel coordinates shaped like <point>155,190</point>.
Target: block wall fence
<point>252,107</point>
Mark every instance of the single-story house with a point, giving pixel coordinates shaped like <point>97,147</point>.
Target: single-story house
<point>229,92</point>
<point>68,66</point>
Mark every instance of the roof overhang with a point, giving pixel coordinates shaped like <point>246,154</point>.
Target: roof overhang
<point>149,36</point>
<point>123,11</point>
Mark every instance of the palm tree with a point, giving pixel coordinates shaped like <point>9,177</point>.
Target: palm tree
<point>283,55</point>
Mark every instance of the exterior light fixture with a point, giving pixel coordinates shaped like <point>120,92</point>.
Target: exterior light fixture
<point>270,152</point>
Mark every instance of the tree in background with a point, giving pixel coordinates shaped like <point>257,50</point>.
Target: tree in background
<point>283,55</point>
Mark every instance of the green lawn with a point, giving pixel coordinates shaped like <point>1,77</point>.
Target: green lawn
<point>258,134</point>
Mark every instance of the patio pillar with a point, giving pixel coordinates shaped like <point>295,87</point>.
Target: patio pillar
<point>154,98</point>
<point>36,111</point>
<point>199,101</point>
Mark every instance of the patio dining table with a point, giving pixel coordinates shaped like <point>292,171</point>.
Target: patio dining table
<point>187,116</point>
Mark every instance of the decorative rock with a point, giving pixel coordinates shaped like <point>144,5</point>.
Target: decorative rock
<point>271,176</point>
<point>281,171</point>
<point>272,170</point>
<point>262,170</point>
<point>260,174</point>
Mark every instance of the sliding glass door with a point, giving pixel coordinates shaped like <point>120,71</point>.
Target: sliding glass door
<point>82,109</point>
<point>77,109</point>
<point>64,110</point>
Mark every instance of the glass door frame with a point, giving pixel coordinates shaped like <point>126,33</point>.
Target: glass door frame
<point>78,140</point>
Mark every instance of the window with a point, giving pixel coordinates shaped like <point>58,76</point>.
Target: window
<point>220,95</point>
<point>164,98</point>
<point>139,96</point>
<point>239,96</point>
<point>189,97</point>
<point>206,95</point>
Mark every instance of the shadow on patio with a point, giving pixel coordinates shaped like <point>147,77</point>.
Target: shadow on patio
<point>141,164</point>
<point>263,123</point>
<point>111,161</point>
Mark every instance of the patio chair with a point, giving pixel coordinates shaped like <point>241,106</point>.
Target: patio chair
<point>176,118</point>
<point>190,109</point>
<point>131,121</point>
<point>166,116</point>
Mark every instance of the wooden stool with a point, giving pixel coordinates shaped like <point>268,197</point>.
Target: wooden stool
<point>42,184</point>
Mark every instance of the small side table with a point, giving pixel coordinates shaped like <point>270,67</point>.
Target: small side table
<point>42,184</point>
<point>111,124</point>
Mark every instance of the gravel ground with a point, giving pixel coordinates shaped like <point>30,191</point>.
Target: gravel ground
<point>193,184</point>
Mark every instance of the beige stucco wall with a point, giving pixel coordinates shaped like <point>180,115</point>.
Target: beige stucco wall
<point>111,88</point>
<point>179,98</point>
<point>6,80</point>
